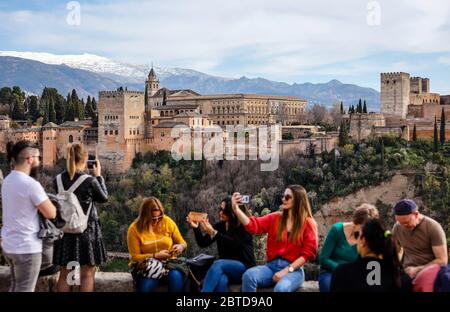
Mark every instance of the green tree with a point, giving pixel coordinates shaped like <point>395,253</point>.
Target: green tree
<point>70,109</point>
<point>442,129</point>
<point>51,112</point>
<point>94,104</point>
<point>78,106</point>
<point>146,95</point>
<point>164,98</point>
<point>18,109</point>
<point>60,109</point>
<point>365,107</point>
<point>33,108</point>
<point>435,137</point>
<point>343,134</point>
<point>383,156</point>
<point>342,108</point>
<point>414,134</point>
<point>359,108</point>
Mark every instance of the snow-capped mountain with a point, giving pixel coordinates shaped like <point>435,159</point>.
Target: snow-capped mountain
<point>89,73</point>
<point>102,65</point>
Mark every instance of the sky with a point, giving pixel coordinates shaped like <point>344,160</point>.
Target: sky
<point>282,40</point>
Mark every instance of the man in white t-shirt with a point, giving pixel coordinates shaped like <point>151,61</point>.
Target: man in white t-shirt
<point>22,198</point>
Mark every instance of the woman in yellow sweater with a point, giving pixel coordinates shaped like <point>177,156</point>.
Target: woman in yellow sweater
<point>155,235</point>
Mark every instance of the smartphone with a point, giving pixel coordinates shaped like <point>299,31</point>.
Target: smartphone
<point>246,199</point>
<point>91,161</point>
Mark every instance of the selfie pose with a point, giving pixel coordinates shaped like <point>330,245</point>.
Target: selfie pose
<point>292,241</point>
<point>153,235</point>
<point>86,248</point>
<point>234,245</point>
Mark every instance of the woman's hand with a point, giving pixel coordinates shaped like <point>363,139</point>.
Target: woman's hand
<point>277,276</point>
<point>163,255</point>
<point>193,224</point>
<point>177,249</point>
<point>207,227</point>
<point>97,170</point>
<point>236,200</point>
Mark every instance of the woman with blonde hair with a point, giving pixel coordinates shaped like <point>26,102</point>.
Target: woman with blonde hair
<point>292,241</point>
<point>86,248</point>
<point>154,235</point>
<point>340,244</point>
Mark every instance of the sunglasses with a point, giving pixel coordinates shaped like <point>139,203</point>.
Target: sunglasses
<point>286,197</point>
<point>40,157</point>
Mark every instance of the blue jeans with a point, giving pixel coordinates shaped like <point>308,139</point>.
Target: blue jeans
<point>261,276</point>
<point>325,280</point>
<point>220,273</point>
<point>175,279</point>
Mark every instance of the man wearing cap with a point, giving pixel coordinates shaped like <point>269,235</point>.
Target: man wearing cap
<point>421,240</point>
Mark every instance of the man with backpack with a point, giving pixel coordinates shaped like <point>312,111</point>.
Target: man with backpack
<point>22,198</point>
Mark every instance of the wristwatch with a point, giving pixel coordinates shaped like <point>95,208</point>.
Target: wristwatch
<point>291,269</point>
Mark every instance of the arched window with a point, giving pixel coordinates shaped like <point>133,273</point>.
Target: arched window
<point>70,139</point>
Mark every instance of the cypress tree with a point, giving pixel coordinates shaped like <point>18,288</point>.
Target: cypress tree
<point>51,111</point>
<point>435,137</point>
<point>146,95</point>
<point>383,155</point>
<point>442,130</point>
<point>414,134</point>
<point>342,108</point>
<point>365,107</point>
<point>94,104</point>
<point>33,108</point>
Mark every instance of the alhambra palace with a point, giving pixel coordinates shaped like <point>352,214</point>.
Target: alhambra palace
<point>132,122</point>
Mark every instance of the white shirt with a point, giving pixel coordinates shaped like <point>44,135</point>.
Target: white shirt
<point>20,196</point>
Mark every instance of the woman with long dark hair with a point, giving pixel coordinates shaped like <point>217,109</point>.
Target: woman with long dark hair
<point>377,269</point>
<point>234,245</point>
<point>292,241</point>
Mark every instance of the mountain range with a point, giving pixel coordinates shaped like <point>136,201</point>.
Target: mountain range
<point>89,73</point>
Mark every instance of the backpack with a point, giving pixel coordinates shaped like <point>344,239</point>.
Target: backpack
<point>71,211</point>
<point>442,282</point>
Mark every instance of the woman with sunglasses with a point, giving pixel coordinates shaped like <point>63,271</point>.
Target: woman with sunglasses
<point>155,235</point>
<point>377,269</point>
<point>234,245</point>
<point>340,244</point>
<point>292,240</point>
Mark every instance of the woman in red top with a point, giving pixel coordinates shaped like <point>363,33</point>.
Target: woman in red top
<point>292,241</point>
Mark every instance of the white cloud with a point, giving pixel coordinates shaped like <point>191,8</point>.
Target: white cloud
<point>283,37</point>
<point>444,60</point>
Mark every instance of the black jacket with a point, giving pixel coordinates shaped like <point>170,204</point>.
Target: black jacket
<point>353,277</point>
<point>92,189</point>
<point>237,245</point>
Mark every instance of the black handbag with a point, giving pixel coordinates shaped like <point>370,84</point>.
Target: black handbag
<point>198,267</point>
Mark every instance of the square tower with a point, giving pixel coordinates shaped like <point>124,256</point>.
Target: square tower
<point>120,124</point>
<point>395,97</point>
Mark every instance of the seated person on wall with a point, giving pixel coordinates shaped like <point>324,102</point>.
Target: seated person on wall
<point>340,244</point>
<point>234,244</point>
<point>420,240</point>
<point>292,240</point>
<point>378,268</point>
<point>155,235</point>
